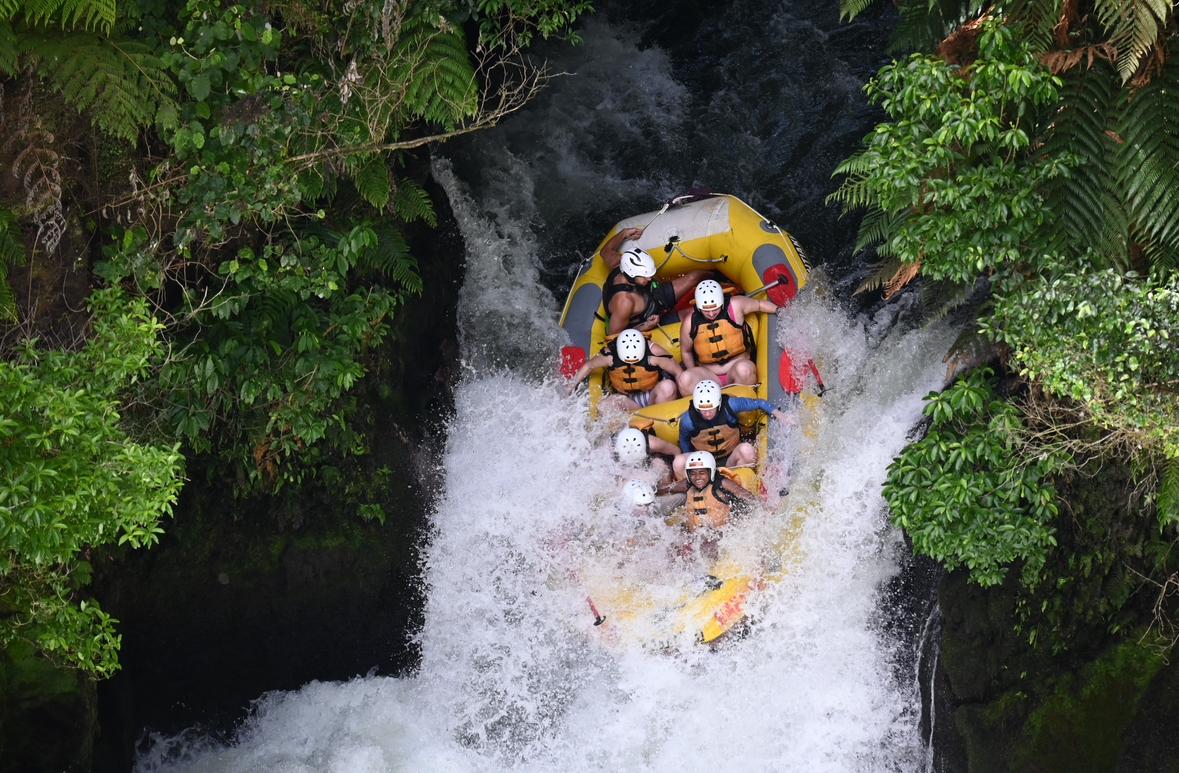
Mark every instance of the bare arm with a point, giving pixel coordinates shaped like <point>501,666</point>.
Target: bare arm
<point>612,250</point>
<point>737,490</point>
<point>621,309</point>
<point>687,353</point>
<point>593,363</point>
<point>660,446</point>
<point>668,365</point>
<point>743,305</point>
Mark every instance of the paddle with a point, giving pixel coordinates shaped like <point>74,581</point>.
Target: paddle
<point>599,618</point>
<point>779,285</point>
<point>791,382</point>
<point>572,358</point>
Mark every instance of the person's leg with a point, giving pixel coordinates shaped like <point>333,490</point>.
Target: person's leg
<point>683,284</point>
<point>663,392</point>
<point>742,455</point>
<point>743,372</point>
<point>619,403</point>
<point>687,380</point>
<point>677,466</point>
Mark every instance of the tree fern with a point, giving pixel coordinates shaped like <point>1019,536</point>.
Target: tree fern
<point>1086,203</point>
<point>1038,19</point>
<point>433,64</point>
<point>390,257</point>
<point>9,55</point>
<point>1148,163</point>
<point>1168,493</point>
<point>411,203</point>
<point>69,14</point>
<point>850,9</point>
<point>119,84</point>
<point>1134,27</point>
<point>370,175</point>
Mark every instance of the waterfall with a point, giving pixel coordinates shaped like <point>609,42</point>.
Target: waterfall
<point>514,675</point>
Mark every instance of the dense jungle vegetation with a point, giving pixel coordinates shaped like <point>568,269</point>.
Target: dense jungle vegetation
<point>1028,175</point>
<point>229,182</point>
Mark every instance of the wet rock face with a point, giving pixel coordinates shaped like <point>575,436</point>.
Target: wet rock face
<point>1107,703</point>
<point>47,715</point>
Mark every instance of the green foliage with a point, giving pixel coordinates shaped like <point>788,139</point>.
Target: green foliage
<point>1133,27</point>
<point>952,171</point>
<point>72,478</point>
<point>1105,340</point>
<point>67,14</point>
<point>121,84</point>
<point>12,253</point>
<point>964,494</point>
<point>516,22</point>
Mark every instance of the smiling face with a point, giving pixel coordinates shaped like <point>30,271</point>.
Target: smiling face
<point>699,478</point>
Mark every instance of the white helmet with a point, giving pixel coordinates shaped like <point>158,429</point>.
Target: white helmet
<point>707,394</point>
<point>709,295</point>
<point>630,446</point>
<point>637,263</point>
<point>701,460</point>
<point>630,345</point>
<point>638,492</point>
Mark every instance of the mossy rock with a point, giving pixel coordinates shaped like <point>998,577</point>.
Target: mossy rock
<point>1082,725</point>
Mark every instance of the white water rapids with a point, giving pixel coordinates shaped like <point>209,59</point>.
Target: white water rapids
<point>513,673</point>
<point>514,676</point>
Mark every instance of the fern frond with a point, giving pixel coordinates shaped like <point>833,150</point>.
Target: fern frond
<point>1038,20</point>
<point>1134,28</point>
<point>1148,162</point>
<point>880,273</point>
<point>1168,494</point>
<point>1087,202</point>
<point>9,9</point>
<point>121,85</point>
<point>370,175</point>
<point>390,257</point>
<point>72,14</point>
<point>412,203</point>
<point>850,9</point>
<point>9,54</point>
<point>939,299</point>
<point>969,350</point>
<point>433,62</point>
<point>12,253</point>
<point>901,279</point>
<point>876,227</point>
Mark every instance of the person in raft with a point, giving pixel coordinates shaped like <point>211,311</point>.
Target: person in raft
<point>711,424</point>
<point>635,371</point>
<point>711,500</point>
<point>716,341</point>
<point>631,297</point>
<point>635,448</point>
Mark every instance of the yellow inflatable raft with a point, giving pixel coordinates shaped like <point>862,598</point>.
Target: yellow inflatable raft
<point>751,254</point>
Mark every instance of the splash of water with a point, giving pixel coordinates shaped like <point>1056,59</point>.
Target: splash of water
<point>513,672</point>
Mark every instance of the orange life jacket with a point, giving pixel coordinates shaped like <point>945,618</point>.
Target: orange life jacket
<point>712,507</point>
<point>630,378</point>
<point>719,340</point>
